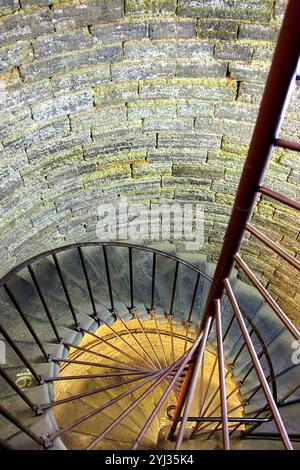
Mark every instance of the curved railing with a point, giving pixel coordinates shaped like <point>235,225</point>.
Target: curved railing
<point>173,372</point>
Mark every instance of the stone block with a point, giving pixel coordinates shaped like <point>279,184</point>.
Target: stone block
<point>168,49</point>
<point>14,55</point>
<point>258,32</point>
<point>152,108</point>
<point>8,6</point>
<point>23,95</point>
<point>115,93</point>
<point>163,125</point>
<point>81,78</point>
<point>98,117</point>
<point>150,169</point>
<point>197,155</point>
<point>216,29</point>
<point>211,90</point>
<point>141,70</point>
<point>73,16</point>
<point>56,146</point>
<point>199,68</point>
<point>167,28</point>
<point>195,108</point>
<point>257,10</point>
<point>73,60</point>
<point>237,112</point>
<point>58,43</point>
<point>233,51</point>
<point>20,26</point>
<point>62,105</point>
<point>37,133</point>
<point>148,7</point>
<point>175,140</point>
<point>116,32</point>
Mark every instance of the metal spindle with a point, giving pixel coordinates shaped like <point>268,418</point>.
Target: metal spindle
<point>26,321</point>
<point>87,280</point>
<point>65,289</point>
<point>174,288</point>
<point>112,305</point>
<point>131,279</point>
<point>42,299</point>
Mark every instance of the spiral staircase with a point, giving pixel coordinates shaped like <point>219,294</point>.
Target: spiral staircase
<point>121,346</point>
<point>110,325</point>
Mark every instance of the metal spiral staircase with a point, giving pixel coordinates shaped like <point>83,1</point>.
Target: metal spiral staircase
<point>121,346</point>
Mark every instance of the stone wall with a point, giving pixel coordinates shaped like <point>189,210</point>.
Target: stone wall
<point>150,99</point>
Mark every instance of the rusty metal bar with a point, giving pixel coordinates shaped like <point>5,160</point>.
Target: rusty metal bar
<point>170,318</point>
<point>65,289</point>
<point>191,382</point>
<point>160,340</point>
<point>153,281</point>
<point>174,288</point>
<point>280,198</point>
<point>287,144</point>
<point>17,389</point>
<point>44,303</point>
<point>148,340</point>
<point>258,368</point>
<point>87,280</point>
<point>194,297</point>
<point>275,98</point>
<point>268,298</point>
<point>224,411</point>
<point>25,320</point>
<point>93,364</point>
<point>92,376</point>
<point>131,279</point>
<point>19,353</point>
<point>112,305</point>
<point>268,242</point>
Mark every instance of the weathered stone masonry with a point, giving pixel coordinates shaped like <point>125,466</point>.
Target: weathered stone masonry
<point>152,99</point>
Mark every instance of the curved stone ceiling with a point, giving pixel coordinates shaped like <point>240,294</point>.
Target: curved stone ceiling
<point>148,99</point>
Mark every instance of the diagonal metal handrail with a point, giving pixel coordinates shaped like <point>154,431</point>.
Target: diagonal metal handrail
<point>258,368</point>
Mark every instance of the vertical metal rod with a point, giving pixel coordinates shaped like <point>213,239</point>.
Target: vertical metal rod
<point>174,288</point>
<point>17,389</point>
<point>19,353</point>
<point>131,278</point>
<point>170,318</point>
<point>160,340</point>
<point>194,297</point>
<point>87,280</point>
<point>192,383</point>
<point>64,286</point>
<point>112,305</point>
<point>153,280</point>
<point>201,384</point>
<point>44,303</point>
<point>226,442</point>
<point>258,368</point>
<point>273,104</point>
<point>148,340</point>
<point>26,321</point>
